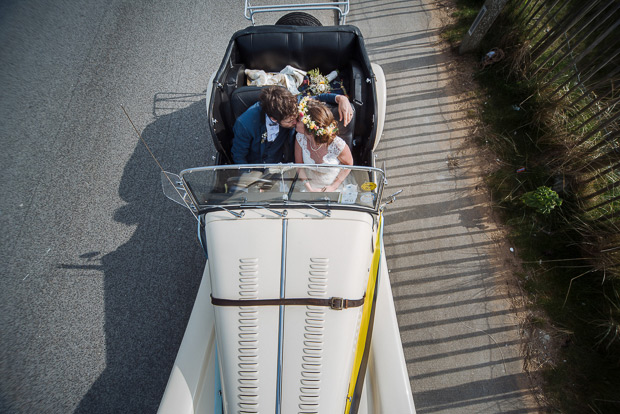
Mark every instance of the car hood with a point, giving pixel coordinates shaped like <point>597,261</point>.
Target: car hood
<point>302,353</point>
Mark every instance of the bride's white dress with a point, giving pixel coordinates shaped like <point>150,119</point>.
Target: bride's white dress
<point>322,177</point>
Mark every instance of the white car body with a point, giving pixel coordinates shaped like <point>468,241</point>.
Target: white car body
<point>287,358</point>
<point>267,333</point>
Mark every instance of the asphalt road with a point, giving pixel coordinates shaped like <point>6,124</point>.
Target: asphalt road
<point>99,270</point>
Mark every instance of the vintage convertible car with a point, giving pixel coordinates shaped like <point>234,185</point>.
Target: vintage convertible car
<point>294,313</point>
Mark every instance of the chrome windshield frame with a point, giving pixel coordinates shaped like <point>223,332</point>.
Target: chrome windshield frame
<point>377,174</point>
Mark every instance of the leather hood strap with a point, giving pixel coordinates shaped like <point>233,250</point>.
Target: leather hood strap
<point>333,302</point>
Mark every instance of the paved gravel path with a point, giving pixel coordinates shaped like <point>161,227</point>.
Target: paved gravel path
<point>459,333</point>
<point>99,271</point>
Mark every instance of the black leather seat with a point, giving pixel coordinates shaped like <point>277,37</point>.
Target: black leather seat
<point>271,48</point>
<point>242,98</point>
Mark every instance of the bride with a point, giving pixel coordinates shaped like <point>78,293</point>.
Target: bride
<point>316,143</point>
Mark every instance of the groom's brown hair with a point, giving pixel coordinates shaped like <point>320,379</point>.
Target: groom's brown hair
<point>278,103</point>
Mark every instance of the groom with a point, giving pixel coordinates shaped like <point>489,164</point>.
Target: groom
<point>264,133</point>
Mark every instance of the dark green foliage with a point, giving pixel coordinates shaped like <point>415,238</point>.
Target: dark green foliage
<point>547,130</point>
<point>466,12</point>
<point>543,199</point>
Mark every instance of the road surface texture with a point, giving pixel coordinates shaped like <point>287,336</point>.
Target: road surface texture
<point>99,270</point>
<point>459,333</point>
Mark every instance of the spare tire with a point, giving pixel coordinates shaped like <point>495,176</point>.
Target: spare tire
<point>298,19</point>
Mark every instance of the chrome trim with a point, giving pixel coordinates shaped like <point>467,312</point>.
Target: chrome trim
<point>276,166</point>
<point>281,214</point>
<point>374,171</point>
<point>326,213</point>
<point>343,11</point>
<point>238,215</point>
<point>281,319</point>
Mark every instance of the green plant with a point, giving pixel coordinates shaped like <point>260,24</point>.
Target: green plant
<point>464,15</point>
<point>540,121</point>
<point>543,199</point>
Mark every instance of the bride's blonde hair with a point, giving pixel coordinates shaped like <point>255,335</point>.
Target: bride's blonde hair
<point>318,120</point>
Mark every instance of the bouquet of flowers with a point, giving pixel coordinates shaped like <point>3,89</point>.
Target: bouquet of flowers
<point>318,83</point>
<point>315,83</point>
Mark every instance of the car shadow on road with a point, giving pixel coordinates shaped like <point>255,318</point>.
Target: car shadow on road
<point>151,281</point>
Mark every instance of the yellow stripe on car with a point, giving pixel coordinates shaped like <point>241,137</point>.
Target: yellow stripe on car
<point>368,304</point>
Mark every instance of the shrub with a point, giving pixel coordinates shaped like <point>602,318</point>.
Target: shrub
<point>543,199</point>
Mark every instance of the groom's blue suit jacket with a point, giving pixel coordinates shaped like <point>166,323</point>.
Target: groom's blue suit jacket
<point>250,145</point>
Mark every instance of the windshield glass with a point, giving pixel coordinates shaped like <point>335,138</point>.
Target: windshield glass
<point>283,185</point>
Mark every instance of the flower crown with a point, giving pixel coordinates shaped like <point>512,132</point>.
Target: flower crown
<point>330,130</point>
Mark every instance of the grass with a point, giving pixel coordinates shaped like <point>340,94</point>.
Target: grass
<point>580,297</point>
<point>464,16</point>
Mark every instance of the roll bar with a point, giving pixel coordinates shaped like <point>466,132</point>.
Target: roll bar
<point>341,6</point>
